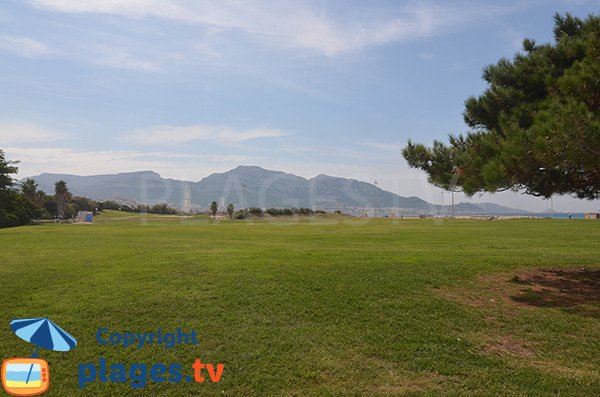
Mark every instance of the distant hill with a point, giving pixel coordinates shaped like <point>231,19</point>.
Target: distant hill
<point>243,186</point>
<point>143,186</point>
<point>250,186</point>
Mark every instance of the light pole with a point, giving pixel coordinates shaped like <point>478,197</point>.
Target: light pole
<point>243,197</point>
<point>376,200</point>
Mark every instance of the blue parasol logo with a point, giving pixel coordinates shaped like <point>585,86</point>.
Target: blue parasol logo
<point>42,332</point>
<point>29,377</point>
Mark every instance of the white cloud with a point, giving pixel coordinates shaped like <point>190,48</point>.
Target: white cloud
<point>24,46</point>
<point>122,59</point>
<point>136,8</point>
<point>18,133</point>
<point>166,135</point>
<point>292,23</point>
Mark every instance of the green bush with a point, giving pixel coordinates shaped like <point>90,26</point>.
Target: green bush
<point>241,215</point>
<point>255,211</point>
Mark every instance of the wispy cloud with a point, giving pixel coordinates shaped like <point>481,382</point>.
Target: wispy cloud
<point>168,135</point>
<point>122,59</point>
<point>24,46</point>
<point>390,147</point>
<point>293,24</point>
<point>12,133</point>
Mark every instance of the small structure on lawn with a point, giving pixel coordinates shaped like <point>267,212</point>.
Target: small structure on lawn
<point>592,215</point>
<point>85,216</point>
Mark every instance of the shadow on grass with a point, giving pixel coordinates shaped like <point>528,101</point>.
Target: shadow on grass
<point>574,290</point>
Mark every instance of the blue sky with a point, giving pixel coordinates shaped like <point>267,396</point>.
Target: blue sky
<point>187,88</point>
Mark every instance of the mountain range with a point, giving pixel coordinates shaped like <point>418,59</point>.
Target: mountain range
<point>250,186</point>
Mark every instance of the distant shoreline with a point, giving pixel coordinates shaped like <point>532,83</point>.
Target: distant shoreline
<point>489,216</point>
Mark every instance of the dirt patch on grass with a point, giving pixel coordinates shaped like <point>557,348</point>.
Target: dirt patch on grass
<point>565,288</point>
<point>504,299</point>
<point>506,345</point>
<point>574,290</point>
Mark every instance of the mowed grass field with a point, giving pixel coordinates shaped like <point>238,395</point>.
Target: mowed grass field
<point>323,306</point>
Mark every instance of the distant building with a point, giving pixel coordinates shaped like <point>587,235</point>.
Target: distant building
<point>85,216</point>
<point>592,215</point>
<point>187,199</point>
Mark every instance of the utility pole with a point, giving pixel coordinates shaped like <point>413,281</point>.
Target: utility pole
<point>441,212</point>
<point>376,201</point>
<point>243,197</point>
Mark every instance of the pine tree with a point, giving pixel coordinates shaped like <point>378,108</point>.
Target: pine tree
<point>13,206</point>
<point>536,128</point>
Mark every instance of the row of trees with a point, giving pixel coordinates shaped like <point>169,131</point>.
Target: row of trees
<point>161,208</point>
<point>61,205</point>
<point>258,212</point>
<point>20,206</point>
<point>214,208</point>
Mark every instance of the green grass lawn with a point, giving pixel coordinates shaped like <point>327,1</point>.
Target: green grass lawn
<point>325,306</point>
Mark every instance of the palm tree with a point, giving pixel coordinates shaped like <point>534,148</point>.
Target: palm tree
<point>31,192</point>
<point>62,196</point>
<point>214,207</point>
<point>29,188</point>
